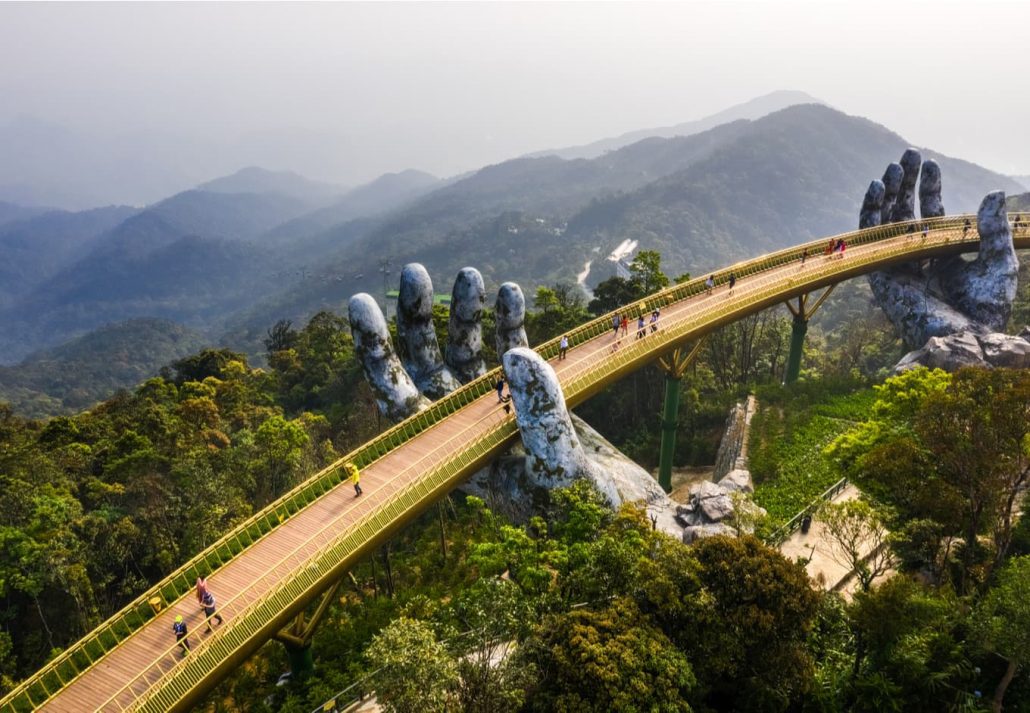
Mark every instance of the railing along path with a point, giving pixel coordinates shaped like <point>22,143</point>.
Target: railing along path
<point>270,567</point>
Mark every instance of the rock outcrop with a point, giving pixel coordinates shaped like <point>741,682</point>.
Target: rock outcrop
<point>946,311</point>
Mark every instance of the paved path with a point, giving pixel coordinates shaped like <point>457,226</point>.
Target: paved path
<point>815,547</point>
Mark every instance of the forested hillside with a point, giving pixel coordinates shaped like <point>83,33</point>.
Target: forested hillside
<point>91,368</point>
<point>183,259</point>
<point>34,249</point>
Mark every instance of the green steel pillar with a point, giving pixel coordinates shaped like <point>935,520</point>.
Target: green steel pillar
<point>799,328</point>
<point>302,663</point>
<point>670,422</point>
<point>296,639</point>
<point>674,366</point>
<point>802,313</point>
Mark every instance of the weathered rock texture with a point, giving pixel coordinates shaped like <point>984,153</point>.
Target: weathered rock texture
<point>928,304</point>
<point>712,510</point>
<point>556,449</point>
<point>420,352</point>
<point>554,455</point>
<point>464,332</point>
<point>510,318</point>
<point>396,394</point>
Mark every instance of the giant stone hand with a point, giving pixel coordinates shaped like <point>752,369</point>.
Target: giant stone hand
<point>951,311</point>
<point>556,449</point>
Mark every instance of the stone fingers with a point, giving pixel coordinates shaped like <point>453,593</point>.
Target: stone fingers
<point>510,316</point>
<point>904,205</point>
<point>394,391</point>
<point>930,205</point>
<point>420,351</point>
<point>465,332</point>
<point>891,184</point>
<point>872,205</point>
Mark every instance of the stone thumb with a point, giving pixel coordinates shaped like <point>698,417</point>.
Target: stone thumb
<point>554,453</point>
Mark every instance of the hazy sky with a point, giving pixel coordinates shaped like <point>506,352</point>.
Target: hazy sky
<point>348,91</point>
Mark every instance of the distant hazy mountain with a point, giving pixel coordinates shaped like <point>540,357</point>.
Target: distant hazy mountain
<point>259,180</point>
<point>705,200</point>
<point>1018,202</point>
<point>37,248</point>
<point>752,109</point>
<point>92,367</point>
<point>1024,181</point>
<point>185,259</point>
<point>386,193</point>
<point>11,212</point>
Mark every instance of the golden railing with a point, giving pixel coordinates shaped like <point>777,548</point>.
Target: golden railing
<point>760,283</point>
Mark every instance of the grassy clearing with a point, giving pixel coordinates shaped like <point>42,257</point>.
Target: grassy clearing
<point>790,431</point>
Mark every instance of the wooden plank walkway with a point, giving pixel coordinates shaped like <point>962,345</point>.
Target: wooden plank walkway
<point>143,657</point>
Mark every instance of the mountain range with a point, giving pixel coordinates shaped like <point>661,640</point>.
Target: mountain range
<point>751,109</point>
<point>234,255</point>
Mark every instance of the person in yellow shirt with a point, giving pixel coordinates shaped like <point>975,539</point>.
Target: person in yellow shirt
<point>354,475</point>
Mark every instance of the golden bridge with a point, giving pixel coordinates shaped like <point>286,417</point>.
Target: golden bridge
<point>272,567</point>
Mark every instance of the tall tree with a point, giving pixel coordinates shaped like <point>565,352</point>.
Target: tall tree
<point>1003,623</point>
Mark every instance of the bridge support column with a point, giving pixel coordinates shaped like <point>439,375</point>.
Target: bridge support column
<point>302,663</point>
<point>799,328</point>
<point>674,366</point>
<point>296,639</point>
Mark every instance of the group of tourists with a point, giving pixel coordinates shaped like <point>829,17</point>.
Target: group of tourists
<point>835,247</point>
<point>620,326</point>
<point>207,602</point>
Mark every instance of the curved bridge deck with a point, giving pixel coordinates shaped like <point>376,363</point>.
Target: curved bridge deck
<point>269,568</point>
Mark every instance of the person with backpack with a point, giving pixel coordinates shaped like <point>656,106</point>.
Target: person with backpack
<point>181,634</point>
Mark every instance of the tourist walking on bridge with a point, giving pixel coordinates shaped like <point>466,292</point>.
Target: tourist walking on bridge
<point>354,475</point>
<point>640,327</point>
<point>563,346</point>
<point>654,321</point>
<point>710,284</point>
<point>625,325</point>
<point>616,323</point>
<point>733,281</point>
<point>207,602</point>
<point>181,634</point>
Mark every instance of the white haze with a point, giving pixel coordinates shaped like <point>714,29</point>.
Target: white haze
<point>180,93</point>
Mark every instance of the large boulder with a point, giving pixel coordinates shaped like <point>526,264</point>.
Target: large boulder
<point>969,349</point>
<point>738,480</point>
<point>1006,351</point>
<point>949,353</point>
